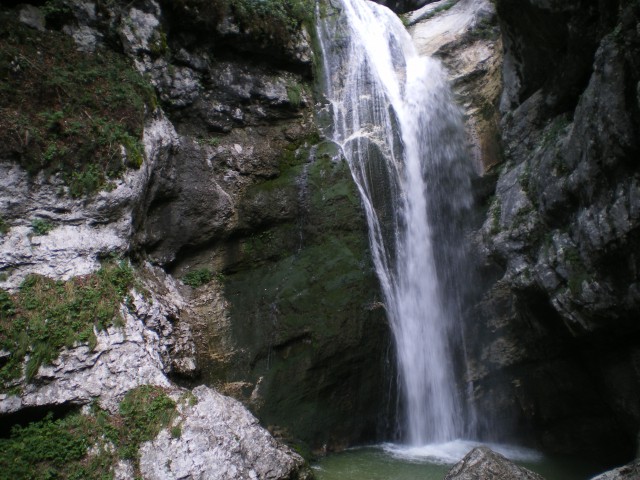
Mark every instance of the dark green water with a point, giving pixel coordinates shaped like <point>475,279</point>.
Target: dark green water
<point>385,463</point>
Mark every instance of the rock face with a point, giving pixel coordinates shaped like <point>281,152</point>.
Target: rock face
<point>466,38</point>
<point>557,350</point>
<point>483,463</point>
<point>219,439</point>
<point>235,182</point>
<point>628,472</point>
<point>124,357</point>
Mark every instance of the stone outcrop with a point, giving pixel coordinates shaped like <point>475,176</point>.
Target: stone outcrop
<point>235,181</point>
<point>557,351</point>
<point>465,36</point>
<point>483,463</point>
<point>149,346</point>
<point>627,472</point>
<point>219,439</point>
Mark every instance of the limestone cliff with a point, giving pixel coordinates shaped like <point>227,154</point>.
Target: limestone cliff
<point>167,200</point>
<point>555,346</point>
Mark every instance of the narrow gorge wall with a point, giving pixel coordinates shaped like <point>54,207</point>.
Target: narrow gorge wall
<point>555,340</point>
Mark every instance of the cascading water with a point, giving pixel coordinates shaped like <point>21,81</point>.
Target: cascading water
<point>403,137</point>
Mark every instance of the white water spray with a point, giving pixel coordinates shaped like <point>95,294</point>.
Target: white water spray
<point>403,137</point>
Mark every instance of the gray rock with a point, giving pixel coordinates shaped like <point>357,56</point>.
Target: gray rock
<point>482,463</point>
<point>151,344</point>
<point>627,472</point>
<point>219,440</point>
<point>562,232</point>
<point>86,38</point>
<point>84,229</point>
<point>139,30</point>
<point>32,16</point>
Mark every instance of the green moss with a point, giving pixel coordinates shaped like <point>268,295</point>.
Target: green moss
<point>578,272</point>
<point>67,112</point>
<point>47,315</point>
<point>553,131</point>
<point>270,22</point>
<point>275,18</point>
<point>442,8</point>
<point>4,226</point>
<point>299,297</point>
<point>495,211</point>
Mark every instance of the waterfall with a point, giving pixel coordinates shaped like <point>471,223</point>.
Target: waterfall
<point>394,117</point>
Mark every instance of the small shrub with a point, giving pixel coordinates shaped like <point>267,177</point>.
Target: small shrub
<point>40,226</point>
<point>176,431</point>
<point>197,278</point>
<point>43,449</point>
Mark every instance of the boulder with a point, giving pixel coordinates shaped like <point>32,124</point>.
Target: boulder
<point>482,463</point>
<point>219,439</point>
<point>627,472</point>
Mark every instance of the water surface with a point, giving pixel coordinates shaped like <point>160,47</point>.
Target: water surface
<point>432,462</point>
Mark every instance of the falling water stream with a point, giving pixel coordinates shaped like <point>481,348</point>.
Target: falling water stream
<point>403,137</point>
<point>392,114</point>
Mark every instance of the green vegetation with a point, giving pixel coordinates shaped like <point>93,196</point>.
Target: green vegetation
<point>495,211</point>
<point>294,93</point>
<point>66,112</point>
<point>485,30</point>
<point>577,271</point>
<point>439,9</point>
<point>272,21</point>
<point>273,18</point>
<point>554,130</point>
<point>40,226</point>
<point>197,278</point>
<point>145,411</point>
<point>47,449</point>
<point>47,315</point>
<point>4,227</point>
<point>60,449</point>
<point>211,141</point>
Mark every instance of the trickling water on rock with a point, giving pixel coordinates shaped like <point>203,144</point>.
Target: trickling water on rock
<point>403,137</point>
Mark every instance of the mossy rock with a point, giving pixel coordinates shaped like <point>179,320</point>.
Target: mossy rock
<point>305,310</point>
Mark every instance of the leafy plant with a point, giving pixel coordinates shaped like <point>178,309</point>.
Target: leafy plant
<point>197,278</point>
<point>4,227</point>
<point>42,450</point>
<point>40,226</point>
<point>276,18</point>
<point>294,93</point>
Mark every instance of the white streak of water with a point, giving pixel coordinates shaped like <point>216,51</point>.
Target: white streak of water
<point>403,137</point>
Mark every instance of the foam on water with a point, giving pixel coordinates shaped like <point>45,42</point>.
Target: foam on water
<point>453,451</point>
